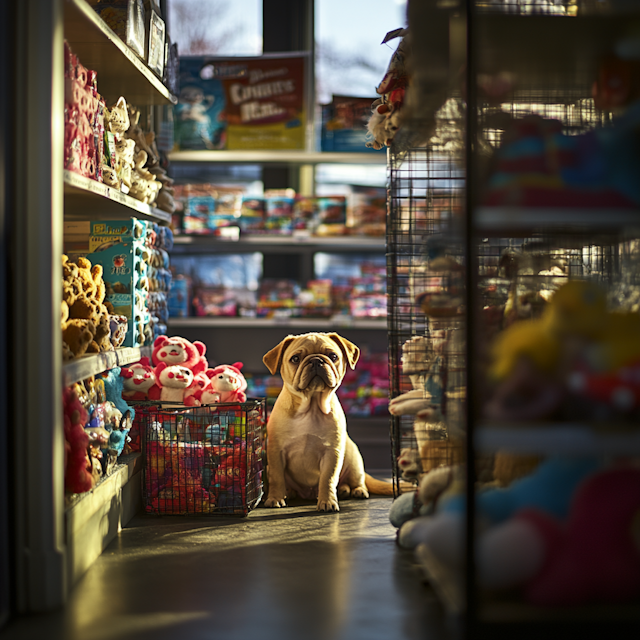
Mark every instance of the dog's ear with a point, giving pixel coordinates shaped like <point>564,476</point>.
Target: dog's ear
<point>273,359</point>
<point>351,352</point>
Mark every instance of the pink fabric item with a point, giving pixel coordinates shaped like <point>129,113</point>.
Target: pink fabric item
<point>593,557</point>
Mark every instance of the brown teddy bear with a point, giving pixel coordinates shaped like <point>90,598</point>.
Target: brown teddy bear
<point>84,316</point>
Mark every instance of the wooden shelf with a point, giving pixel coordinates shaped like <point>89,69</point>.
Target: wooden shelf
<point>290,243</point>
<point>315,324</point>
<point>86,198</point>
<point>520,220</point>
<point>285,157</point>
<point>93,519</point>
<point>559,439</point>
<point>95,363</point>
<point>120,71</point>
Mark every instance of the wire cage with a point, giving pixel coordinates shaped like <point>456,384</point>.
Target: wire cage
<point>425,271</point>
<point>515,272</point>
<point>203,460</point>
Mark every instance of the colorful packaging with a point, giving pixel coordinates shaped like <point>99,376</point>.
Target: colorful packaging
<point>305,213</point>
<point>332,210</point>
<point>124,275</point>
<point>178,299</point>
<point>344,125</point>
<point>242,103</point>
<point>252,215</point>
<point>279,214</point>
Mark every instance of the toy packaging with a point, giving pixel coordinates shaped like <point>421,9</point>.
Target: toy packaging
<point>126,19</point>
<point>279,214</point>
<point>155,39</point>
<point>241,103</point>
<point>344,125</point>
<point>252,215</point>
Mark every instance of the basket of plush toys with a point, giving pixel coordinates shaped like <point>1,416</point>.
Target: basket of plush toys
<point>201,437</point>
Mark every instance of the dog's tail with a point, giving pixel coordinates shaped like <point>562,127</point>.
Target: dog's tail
<point>383,488</point>
<point>379,487</point>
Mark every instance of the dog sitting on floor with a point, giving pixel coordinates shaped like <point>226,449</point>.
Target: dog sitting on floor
<point>309,452</point>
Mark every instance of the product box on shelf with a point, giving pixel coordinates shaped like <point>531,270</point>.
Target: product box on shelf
<point>124,274</point>
<point>126,20</point>
<point>242,103</point>
<point>178,299</point>
<point>279,214</point>
<point>155,39</point>
<point>305,213</point>
<point>344,125</point>
<point>252,215</point>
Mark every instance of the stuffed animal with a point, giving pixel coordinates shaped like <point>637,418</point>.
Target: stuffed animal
<point>139,382</point>
<point>228,382</point>
<point>193,394</point>
<point>78,468</point>
<point>176,350</point>
<point>114,390</point>
<point>173,381</point>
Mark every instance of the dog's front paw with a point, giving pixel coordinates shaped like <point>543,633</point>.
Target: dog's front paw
<point>274,502</point>
<point>360,493</point>
<point>328,505</point>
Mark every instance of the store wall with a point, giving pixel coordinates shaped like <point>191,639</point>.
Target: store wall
<point>6,102</point>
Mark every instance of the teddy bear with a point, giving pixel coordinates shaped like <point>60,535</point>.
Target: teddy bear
<point>139,382</point>
<point>227,382</point>
<point>173,381</point>
<point>176,350</point>
<point>77,335</point>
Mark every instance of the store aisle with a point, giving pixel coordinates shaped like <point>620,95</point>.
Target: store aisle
<point>290,574</point>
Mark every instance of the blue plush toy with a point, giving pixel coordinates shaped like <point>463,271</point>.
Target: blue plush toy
<point>113,385</point>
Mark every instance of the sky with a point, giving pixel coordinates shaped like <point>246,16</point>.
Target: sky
<point>346,28</point>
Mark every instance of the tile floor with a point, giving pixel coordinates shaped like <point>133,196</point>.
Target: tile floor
<point>287,574</point>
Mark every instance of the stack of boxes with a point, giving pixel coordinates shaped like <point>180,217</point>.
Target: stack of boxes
<point>134,257</point>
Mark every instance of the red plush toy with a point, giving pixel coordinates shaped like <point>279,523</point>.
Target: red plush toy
<point>140,382</point>
<point>228,382</point>
<point>77,475</point>
<point>176,350</point>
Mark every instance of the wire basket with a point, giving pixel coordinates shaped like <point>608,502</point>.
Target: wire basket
<point>204,460</point>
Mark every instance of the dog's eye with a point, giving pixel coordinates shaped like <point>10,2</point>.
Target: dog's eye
<point>295,359</point>
<point>333,357</point>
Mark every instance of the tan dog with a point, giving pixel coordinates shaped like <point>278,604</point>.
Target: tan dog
<point>308,449</point>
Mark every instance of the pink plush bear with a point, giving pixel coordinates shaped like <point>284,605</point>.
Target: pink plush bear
<point>173,380</point>
<point>193,394</point>
<point>176,350</point>
<point>140,382</point>
<point>227,382</point>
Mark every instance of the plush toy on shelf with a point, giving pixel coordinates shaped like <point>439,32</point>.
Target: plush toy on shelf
<point>84,316</point>
<point>578,360</point>
<point>385,111</point>
<point>139,382</point>
<point>77,476</point>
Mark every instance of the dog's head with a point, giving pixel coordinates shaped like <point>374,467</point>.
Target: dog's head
<point>312,362</point>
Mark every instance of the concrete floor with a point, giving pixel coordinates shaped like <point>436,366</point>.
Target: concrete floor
<point>287,574</point>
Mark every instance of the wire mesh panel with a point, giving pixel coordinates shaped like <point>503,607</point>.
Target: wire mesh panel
<point>202,460</point>
<point>425,272</point>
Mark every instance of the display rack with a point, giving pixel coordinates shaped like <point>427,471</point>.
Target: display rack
<point>93,364</point>
<point>288,158</point>
<point>311,324</point>
<point>120,71</point>
<point>551,62</point>
<point>85,197</point>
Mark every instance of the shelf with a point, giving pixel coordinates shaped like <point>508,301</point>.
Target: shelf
<point>559,439</point>
<point>95,363</point>
<point>506,220</point>
<point>314,324</point>
<point>446,583</point>
<point>278,157</point>
<point>120,71</point>
<point>291,243</point>
<point>88,198</point>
